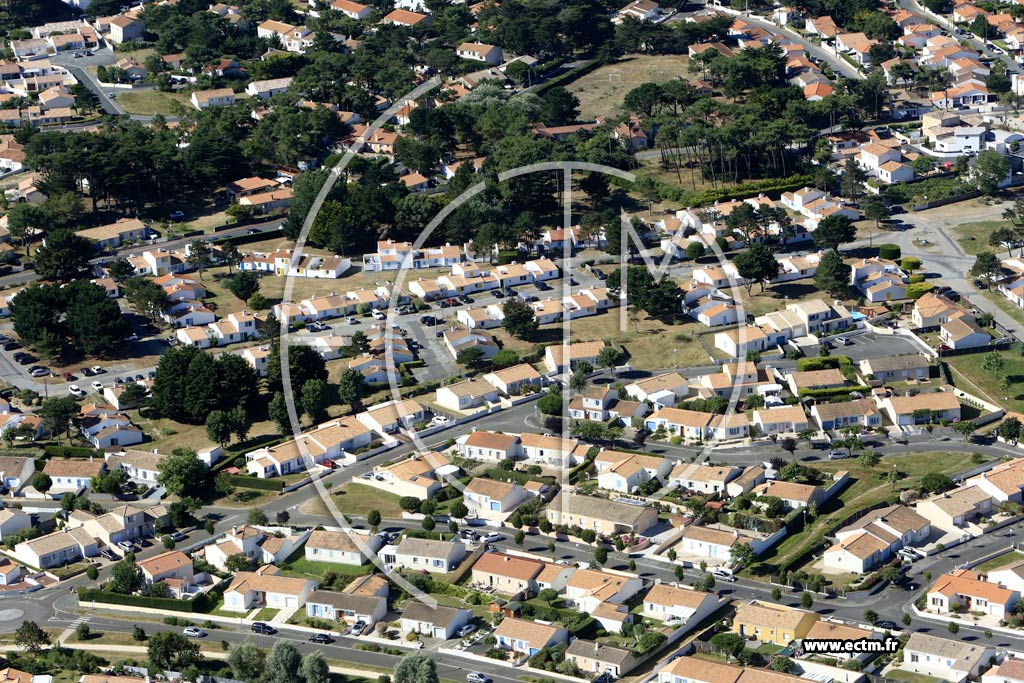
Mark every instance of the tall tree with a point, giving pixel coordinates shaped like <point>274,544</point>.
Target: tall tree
<point>64,257</point>
<point>182,473</point>
<point>757,265</point>
<point>283,664</point>
<point>832,276</point>
<point>833,231</point>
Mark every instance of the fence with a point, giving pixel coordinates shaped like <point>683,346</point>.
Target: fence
<point>948,200</point>
<point>1000,346</point>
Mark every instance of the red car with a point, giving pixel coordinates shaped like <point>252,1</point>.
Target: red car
<point>68,377</point>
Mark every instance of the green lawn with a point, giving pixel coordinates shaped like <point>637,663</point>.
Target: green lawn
<point>866,488</point>
<point>1001,561</point>
<point>266,614</point>
<point>358,499</point>
<point>1007,306</point>
<point>909,676</point>
<point>151,102</point>
<point>973,237</point>
<point>298,565</point>
<point>969,375</point>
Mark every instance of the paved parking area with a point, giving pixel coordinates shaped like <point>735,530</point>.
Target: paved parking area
<point>871,345</point>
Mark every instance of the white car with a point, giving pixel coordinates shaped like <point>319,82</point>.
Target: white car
<point>492,537</point>
<point>193,632</point>
<point>440,420</point>
<point>378,314</point>
<point>76,390</point>
<point>837,455</point>
<point>96,386</point>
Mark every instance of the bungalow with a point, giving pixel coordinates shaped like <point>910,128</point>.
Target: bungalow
<point>458,341</point>
<point>625,472</point>
<point>174,568</point>
<point>483,496</point>
<point>393,416</point>
<point>598,658</point>
<point>835,416</point>
<point>963,333</point>
<point>56,549</point>
<point>218,97</point>
<point>751,476</point>
<point>528,637</point>
<point>896,368</point>
<point>341,547</point>
<point>353,10</point>
<point>669,603</point>
<point>507,574</point>
<point>420,553</point>
<point>252,543</point>
<point>420,475</point>
<point>116,234</point>
<point>579,352</point>
<point>792,494</point>
<point>602,515</point>
<point>781,420</point>
<point>949,660</point>
<point>550,450</point>
<point>327,441</point>
<point>712,543</point>
<point>705,479</point>
<point>924,408</point>
<point>265,587</point>
<point>435,622</point>
<point>16,473</point>
<point>516,380</point>
<point>485,445</point>
<point>72,475</point>
<point>591,589</point>
<point>966,591</point>
<point>480,52</point>
<point>871,540</point>
<point>347,607</point>
<point>466,395</point>
<point>662,390</point>
<point>266,89</point>
<point>772,623</point>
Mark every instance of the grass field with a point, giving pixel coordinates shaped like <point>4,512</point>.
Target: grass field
<point>909,676</point>
<point>969,374</point>
<point>298,565</point>
<point>602,91</point>
<point>973,237</point>
<point>1001,561</point>
<point>356,499</point>
<point>867,487</point>
<point>151,102</point>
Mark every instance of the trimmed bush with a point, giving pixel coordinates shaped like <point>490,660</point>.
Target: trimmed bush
<point>890,252</point>
<point>910,263</point>
<point>202,603</point>
<point>833,393</point>
<point>916,291</point>
<point>71,452</point>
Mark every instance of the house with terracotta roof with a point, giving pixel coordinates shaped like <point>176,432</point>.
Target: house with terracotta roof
<point>116,234</point>
<point>515,380</point>
<point>676,605</point>
<point>780,420</point>
<point>1004,482</point>
<point>963,590</point>
<point>253,543</point>
<point>421,475</point>
<point>72,475</point>
<point>393,416</point>
<point>1011,670</point>
<point>597,658</point>
<point>589,588</point>
<point>174,568</point>
<point>328,441</point>
<point>557,362</point>
<point>485,445</point>
<point>715,543</point>
<point>835,416</point>
<point>265,587</point>
<point>466,395</point>
<point>706,479</point>
<point>772,623</point>
<point>924,408</point>
<point>507,574</point>
<point>528,637</point>
<point>401,17</point>
<point>825,629</point>
<point>56,549</point>
<point>480,52</point>
<point>792,494</point>
<point>217,97</point>
<point>751,476</point>
<point>954,510</point>
<point>488,498</point>
<point>353,10</point>
<point>625,472</point>
<point>871,540</point>
<point>964,332</point>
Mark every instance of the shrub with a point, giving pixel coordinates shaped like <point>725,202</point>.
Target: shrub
<point>916,291</point>
<point>910,263</point>
<point>890,252</point>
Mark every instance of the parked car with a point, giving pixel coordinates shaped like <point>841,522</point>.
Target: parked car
<point>87,372</point>
<point>125,546</point>
<point>76,390</point>
<point>321,638</point>
<point>599,274</point>
<point>498,294</point>
<point>440,420</point>
<point>26,359</point>
<point>836,455</point>
<point>97,370</point>
<point>887,625</point>
<point>477,677</point>
<point>265,629</point>
<point>178,536</point>
<point>491,537</point>
<point>542,286</point>
<point>723,575</point>
<point>39,372</point>
<point>68,377</point>
<point>465,630</point>
<point>177,215</point>
<point>11,346</point>
<point>464,298</point>
<point>842,341</point>
<point>96,386</point>
<point>194,632</point>
<point>352,321</point>
<point>358,628</point>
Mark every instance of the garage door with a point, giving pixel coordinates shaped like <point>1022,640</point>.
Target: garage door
<point>291,601</point>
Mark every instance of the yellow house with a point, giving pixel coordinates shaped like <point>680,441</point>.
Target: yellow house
<point>772,623</point>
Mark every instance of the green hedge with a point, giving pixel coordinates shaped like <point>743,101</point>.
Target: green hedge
<point>71,452</point>
<point>667,192</point>
<point>202,603</point>
<point>245,482</point>
<point>890,252</point>
<point>833,393</point>
<point>822,363</point>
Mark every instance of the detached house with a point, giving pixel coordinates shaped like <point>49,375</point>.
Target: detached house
<point>964,590</point>
<point>602,515</point>
<point>341,547</point>
<point>480,52</point>
<point>266,587</point>
<point>669,603</point>
<point>528,637</point>
<point>507,574</point>
<point>487,497</point>
<point>772,623</point>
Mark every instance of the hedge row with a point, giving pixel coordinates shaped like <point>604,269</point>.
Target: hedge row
<point>71,452</point>
<point>822,363</point>
<point>244,482</point>
<point>202,603</point>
